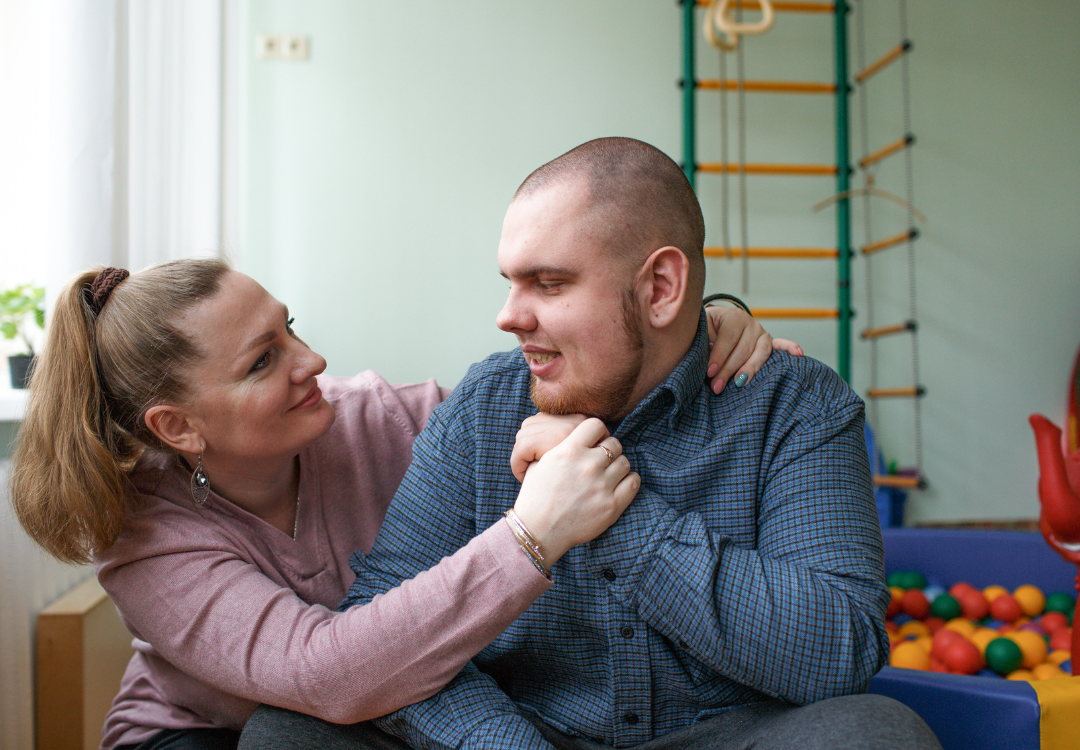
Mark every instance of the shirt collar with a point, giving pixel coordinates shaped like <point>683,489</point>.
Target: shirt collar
<point>684,382</point>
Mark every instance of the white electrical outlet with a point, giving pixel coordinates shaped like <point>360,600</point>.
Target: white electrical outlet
<point>283,46</point>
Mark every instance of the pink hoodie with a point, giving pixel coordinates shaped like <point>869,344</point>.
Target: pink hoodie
<point>229,612</point>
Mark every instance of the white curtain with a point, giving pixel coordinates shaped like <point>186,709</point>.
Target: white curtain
<point>138,132</point>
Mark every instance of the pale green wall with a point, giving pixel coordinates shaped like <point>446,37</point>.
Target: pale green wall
<point>377,175</point>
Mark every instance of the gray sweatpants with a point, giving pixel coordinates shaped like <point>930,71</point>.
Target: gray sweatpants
<point>855,722</point>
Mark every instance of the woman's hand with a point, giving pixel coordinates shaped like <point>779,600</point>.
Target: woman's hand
<point>539,434</point>
<point>739,345</point>
<point>576,491</point>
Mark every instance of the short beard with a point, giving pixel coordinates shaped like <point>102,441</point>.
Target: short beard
<point>605,400</point>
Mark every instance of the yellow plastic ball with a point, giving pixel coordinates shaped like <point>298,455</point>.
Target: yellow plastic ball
<point>1057,657</point>
<point>1031,599</point>
<point>1022,675</point>
<point>897,592</point>
<point>993,592</point>
<point>962,626</point>
<point>925,641</point>
<point>1047,672</point>
<point>982,637</point>
<point>910,655</point>
<point>1032,646</point>
<point>914,627</point>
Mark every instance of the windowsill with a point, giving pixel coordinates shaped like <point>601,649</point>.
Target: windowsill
<point>12,404</point>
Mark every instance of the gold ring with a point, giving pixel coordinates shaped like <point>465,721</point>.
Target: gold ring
<point>610,455</point>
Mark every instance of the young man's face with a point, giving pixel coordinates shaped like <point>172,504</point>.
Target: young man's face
<point>570,305</point>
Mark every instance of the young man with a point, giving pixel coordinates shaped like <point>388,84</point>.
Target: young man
<point>741,597</point>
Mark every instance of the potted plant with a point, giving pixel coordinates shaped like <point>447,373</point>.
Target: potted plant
<point>20,307</point>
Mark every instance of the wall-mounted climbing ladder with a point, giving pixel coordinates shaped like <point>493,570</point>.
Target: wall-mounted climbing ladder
<point>840,89</point>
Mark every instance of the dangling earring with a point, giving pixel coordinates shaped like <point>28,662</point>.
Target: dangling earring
<point>200,484</point>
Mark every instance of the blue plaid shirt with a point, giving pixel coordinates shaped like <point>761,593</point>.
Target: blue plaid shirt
<point>749,566</point>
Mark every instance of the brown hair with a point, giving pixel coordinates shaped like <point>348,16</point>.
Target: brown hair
<point>641,199</point>
<point>91,386</point>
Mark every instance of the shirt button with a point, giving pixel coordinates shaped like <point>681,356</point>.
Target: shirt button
<point>627,632</point>
<point>608,574</point>
<point>631,719</point>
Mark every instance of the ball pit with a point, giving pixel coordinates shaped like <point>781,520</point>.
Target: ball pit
<point>1021,634</point>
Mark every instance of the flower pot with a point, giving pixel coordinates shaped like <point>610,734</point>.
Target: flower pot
<point>19,365</point>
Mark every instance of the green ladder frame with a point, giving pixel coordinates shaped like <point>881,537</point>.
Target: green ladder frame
<point>843,159</point>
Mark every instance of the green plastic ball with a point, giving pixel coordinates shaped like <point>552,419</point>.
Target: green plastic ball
<point>1003,656</point>
<point>913,580</point>
<point>894,579</point>
<point>1060,602</point>
<point>946,607</point>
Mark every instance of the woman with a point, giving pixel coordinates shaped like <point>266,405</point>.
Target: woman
<point>177,434</point>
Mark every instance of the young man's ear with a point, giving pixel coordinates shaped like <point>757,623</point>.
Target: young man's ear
<point>665,276</point>
<point>174,428</point>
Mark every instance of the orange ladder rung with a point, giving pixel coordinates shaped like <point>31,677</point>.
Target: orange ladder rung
<point>794,312</point>
<point>881,62</point>
<point>884,151</point>
<point>873,333</point>
<point>773,252</point>
<point>773,87</point>
<point>896,239</point>
<point>793,169</point>
<point>896,480</point>
<point>782,7</point>
<point>914,391</point>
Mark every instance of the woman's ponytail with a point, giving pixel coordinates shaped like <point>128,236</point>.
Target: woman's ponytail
<point>98,372</point>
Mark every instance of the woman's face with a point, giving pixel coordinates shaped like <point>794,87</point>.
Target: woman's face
<point>254,395</point>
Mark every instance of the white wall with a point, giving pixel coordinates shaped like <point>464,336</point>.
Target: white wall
<point>378,172</point>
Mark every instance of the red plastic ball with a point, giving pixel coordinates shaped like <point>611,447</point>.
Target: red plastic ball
<point>1006,608</point>
<point>915,604</point>
<point>960,588</point>
<point>941,642</point>
<point>1061,640</point>
<point>973,605</point>
<point>937,665</point>
<point>963,657</point>
<point>1052,622</point>
<point>934,624</point>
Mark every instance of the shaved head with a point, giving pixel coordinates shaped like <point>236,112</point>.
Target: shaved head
<point>639,200</point>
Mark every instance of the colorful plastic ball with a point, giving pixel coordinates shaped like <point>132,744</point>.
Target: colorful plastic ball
<point>914,603</point>
<point>973,605</point>
<point>1020,675</point>
<point>962,626</point>
<point>933,591</point>
<point>946,607</point>
<point>906,579</point>
<point>924,642</point>
<point>993,592</point>
<point>1066,666</point>
<point>1061,640</point>
<point>1032,645</point>
<point>909,655</point>
<point>1031,599</point>
<point>982,637</point>
<point>934,624</point>
<point>894,602</point>
<point>963,657</point>
<point>1057,657</point>
<point>913,628</point>
<point>901,618</point>
<point>960,587</point>
<point>1060,602</point>
<point>1006,609</point>
<point>1054,621</point>
<point>941,642</point>
<point>937,665</point>
<point>1047,672</point>
<point>993,624</point>
<point>1003,656</point>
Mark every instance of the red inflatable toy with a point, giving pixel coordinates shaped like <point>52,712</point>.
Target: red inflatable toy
<point>1059,488</point>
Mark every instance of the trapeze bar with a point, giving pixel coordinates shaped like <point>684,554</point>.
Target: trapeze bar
<point>896,239</point>
<point>782,7</point>
<point>797,169</point>
<point>895,392</point>
<point>788,312</point>
<point>896,480</point>
<point>773,87</point>
<point>773,252</point>
<point>873,333</point>
<point>897,145</point>
<point>884,60</point>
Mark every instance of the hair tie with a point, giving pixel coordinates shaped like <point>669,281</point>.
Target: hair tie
<point>102,285</point>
